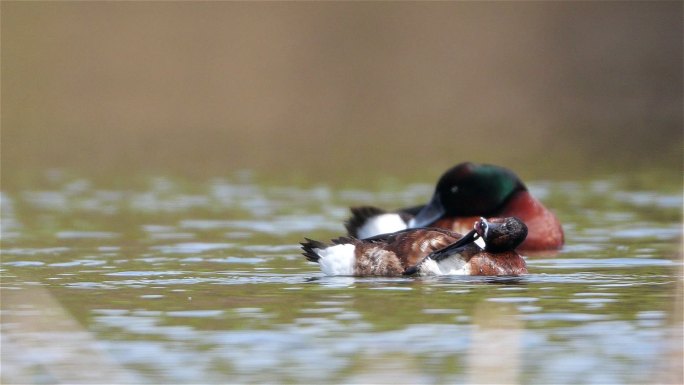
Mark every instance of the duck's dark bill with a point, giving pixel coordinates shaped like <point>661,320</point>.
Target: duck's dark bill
<point>453,248</point>
<point>429,214</point>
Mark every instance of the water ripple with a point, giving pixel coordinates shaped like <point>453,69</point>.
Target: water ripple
<point>191,247</point>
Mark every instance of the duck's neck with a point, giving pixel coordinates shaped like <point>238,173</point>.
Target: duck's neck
<point>544,229</point>
<point>522,205</point>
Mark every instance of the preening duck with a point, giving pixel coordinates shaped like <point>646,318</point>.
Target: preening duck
<point>426,251</point>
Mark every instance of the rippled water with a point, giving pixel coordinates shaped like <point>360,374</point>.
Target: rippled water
<point>173,282</point>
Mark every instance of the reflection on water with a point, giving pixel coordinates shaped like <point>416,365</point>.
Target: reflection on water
<point>205,283</point>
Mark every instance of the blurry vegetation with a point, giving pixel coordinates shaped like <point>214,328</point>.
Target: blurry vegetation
<point>341,91</point>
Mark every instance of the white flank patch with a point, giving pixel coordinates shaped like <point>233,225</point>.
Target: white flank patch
<point>448,266</point>
<point>381,224</point>
<point>337,260</point>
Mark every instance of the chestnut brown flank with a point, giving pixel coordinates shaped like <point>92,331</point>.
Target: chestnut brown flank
<point>503,263</point>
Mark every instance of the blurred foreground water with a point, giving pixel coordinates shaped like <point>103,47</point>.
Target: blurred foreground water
<point>173,282</point>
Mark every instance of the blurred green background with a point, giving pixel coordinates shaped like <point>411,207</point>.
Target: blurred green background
<point>338,91</point>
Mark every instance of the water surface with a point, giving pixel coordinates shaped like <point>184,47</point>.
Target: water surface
<point>176,282</point>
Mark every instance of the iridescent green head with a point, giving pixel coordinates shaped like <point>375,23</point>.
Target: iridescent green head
<point>469,189</point>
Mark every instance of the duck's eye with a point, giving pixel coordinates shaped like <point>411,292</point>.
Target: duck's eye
<point>454,189</point>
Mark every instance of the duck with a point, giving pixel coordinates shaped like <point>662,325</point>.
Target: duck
<point>462,194</point>
<point>488,249</point>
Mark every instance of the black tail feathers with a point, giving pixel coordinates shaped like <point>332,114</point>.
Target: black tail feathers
<point>359,216</point>
<point>309,247</point>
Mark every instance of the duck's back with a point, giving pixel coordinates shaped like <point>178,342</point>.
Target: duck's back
<point>392,254</point>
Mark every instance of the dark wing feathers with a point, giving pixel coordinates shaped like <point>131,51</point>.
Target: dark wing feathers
<point>412,246</point>
<point>344,240</point>
<point>418,231</point>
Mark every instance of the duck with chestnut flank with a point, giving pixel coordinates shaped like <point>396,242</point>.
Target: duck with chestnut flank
<point>426,251</point>
<point>464,193</point>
